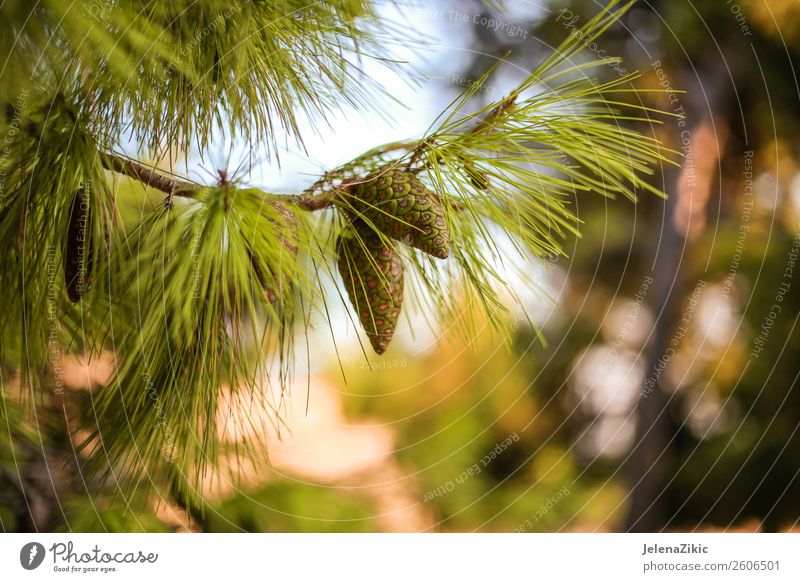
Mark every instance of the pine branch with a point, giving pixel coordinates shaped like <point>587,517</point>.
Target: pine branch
<point>147,176</point>
<point>178,187</point>
<point>311,199</point>
<point>313,202</point>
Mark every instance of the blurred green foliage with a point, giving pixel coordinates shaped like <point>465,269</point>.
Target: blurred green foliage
<point>287,506</point>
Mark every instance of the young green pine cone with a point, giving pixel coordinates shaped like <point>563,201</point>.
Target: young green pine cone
<point>78,259</point>
<point>372,272</point>
<point>401,207</point>
<point>289,237</point>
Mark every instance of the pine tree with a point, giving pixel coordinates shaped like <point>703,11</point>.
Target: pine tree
<point>192,285</point>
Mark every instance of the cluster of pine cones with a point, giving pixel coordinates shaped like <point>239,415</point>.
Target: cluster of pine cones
<point>391,200</point>
<point>397,204</point>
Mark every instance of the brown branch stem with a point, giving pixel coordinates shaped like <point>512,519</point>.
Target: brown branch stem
<point>177,187</point>
<point>148,176</point>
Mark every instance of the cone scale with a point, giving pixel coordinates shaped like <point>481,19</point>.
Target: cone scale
<point>372,272</point>
<point>403,208</point>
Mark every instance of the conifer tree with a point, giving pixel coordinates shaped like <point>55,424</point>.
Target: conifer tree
<point>200,290</point>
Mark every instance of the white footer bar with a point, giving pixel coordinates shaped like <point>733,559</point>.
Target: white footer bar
<point>400,557</point>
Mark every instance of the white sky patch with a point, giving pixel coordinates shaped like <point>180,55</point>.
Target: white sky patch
<point>717,316</point>
<point>607,381</point>
<point>407,114</point>
<point>610,436</point>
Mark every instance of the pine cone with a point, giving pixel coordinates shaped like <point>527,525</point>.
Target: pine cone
<point>78,259</point>
<point>400,206</point>
<point>372,272</point>
<point>290,238</point>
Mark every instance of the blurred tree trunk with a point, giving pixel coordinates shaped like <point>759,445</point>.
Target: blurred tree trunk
<point>649,463</point>
<point>648,459</point>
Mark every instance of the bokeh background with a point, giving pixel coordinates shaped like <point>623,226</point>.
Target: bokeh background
<point>665,393</point>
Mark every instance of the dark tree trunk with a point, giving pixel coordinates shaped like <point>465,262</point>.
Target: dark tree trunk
<point>649,459</point>
<point>649,466</point>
